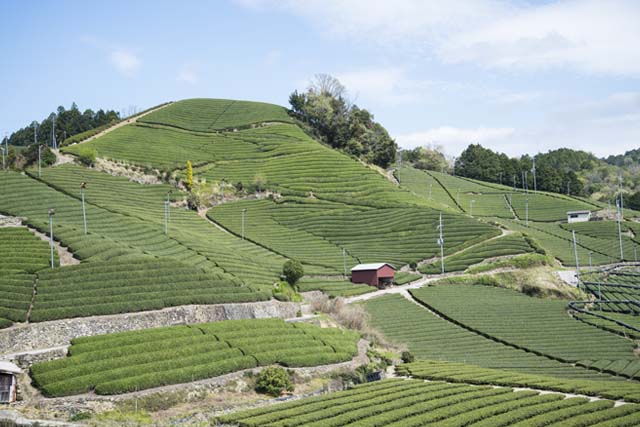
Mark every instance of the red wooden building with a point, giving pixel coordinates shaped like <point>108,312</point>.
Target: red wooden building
<point>379,274</point>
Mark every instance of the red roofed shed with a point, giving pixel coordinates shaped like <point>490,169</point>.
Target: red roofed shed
<point>378,274</point>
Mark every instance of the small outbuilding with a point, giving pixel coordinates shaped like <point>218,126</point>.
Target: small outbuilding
<point>8,382</point>
<point>379,274</point>
<point>578,216</point>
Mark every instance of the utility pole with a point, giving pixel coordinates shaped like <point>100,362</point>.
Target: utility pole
<point>500,178</point>
<point>514,183</point>
<point>39,161</point>
<point>621,198</point>
<point>51,213</point>
<point>458,196</point>
<point>590,264</point>
<point>169,206</point>
<point>83,186</point>
<point>526,181</point>
<point>568,188</point>
<point>575,253</point>
<point>243,212</point>
<point>4,165</point>
<point>430,190</point>
<point>471,206</point>
<point>54,143</point>
<point>166,219</point>
<point>441,244</point>
<point>344,262</point>
<point>535,183</point>
<point>399,155</point>
<point>526,211</point>
<point>619,217</point>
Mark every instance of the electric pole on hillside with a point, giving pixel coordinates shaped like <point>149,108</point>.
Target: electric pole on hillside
<point>344,262</point>
<point>54,143</point>
<point>39,161</point>
<point>526,211</point>
<point>441,244</point>
<point>471,202</point>
<point>4,165</point>
<point>243,213</point>
<point>568,188</point>
<point>526,181</point>
<point>621,202</point>
<point>500,178</point>
<point>514,183</point>
<point>399,155</point>
<point>619,217</point>
<point>83,186</point>
<point>533,170</point>
<point>575,253</point>
<point>430,190</point>
<point>51,213</point>
<point>169,206</point>
<point>458,196</point>
<point>166,219</point>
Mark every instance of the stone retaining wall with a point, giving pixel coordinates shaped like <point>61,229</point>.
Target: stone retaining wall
<point>35,336</point>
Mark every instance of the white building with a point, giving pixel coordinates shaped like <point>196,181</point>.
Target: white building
<point>578,216</point>
<point>8,382</point>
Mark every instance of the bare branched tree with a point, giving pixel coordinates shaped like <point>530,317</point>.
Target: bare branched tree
<point>325,84</point>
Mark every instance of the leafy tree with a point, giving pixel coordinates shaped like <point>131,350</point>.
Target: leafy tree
<point>632,201</point>
<point>430,157</point>
<point>333,120</point>
<point>47,156</point>
<point>67,123</point>
<point>292,270</point>
<point>273,380</point>
<point>188,182</point>
<point>87,155</point>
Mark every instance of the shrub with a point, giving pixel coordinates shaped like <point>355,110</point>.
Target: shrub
<point>413,265</point>
<point>86,155</point>
<point>273,380</point>
<point>188,182</point>
<point>407,356</point>
<point>292,271</point>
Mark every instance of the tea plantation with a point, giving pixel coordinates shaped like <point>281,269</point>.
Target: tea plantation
<point>417,403</point>
<point>130,361</point>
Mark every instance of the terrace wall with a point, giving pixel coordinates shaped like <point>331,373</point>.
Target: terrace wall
<point>29,337</point>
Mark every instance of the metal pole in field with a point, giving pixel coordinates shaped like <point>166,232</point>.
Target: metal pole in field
<point>526,181</point>
<point>84,212</point>
<point>39,161</point>
<point>619,216</point>
<point>166,224</point>
<point>399,155</point>
<point>526,211</point>
<point>430,190</point>
<point>4,166</point>
<point>514,183</point>
<point>500,178</point>
<point>458,196</point>
<point>590,264</point>
<point>243,212</point>
<point>54,143</point>
<point>535,183</point>
<point>51,213</point>
<point>169,206</point>
<point>471,206</point>
<point>575,253</point>
<point>568,188</point>
<point>344,262</point>
<point>441,244</point>
<point>621,198</point>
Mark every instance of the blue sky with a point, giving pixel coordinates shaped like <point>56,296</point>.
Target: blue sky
<point>519,76</point>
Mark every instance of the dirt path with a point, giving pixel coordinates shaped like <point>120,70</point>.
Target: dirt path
<point>202,213</point>
<point>61,158</point>
<point>122,123</point>
<point>65,256</point>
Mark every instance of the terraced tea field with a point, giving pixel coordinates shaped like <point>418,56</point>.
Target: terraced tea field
<point>410,403</point>
<point>513,244</point>
<point>130,361</point>
<point>203,114</point>
<point>534,324</point>
<point>469,374</point>
<point>430,337</point>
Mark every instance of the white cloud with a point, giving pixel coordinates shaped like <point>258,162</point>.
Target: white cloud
<point>125,61</point>
<point>386,86</point>
<point>188,74</point>
<point>592,36</point>
<point>455,139</point>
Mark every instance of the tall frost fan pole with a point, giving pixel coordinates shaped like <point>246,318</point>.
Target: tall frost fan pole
<point>243,213</point>
<point>54,143</point>
<point>526,211</point>
<point>51,213</point>
<point>344,261</point>
<point>399,155</point>
<point>533,171</point>
<point>619,217</point>
<point>575,253</point>
<point>83,186</point>
<point>39,161</point>
<point>441,244</point>
<point>621,203</point>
